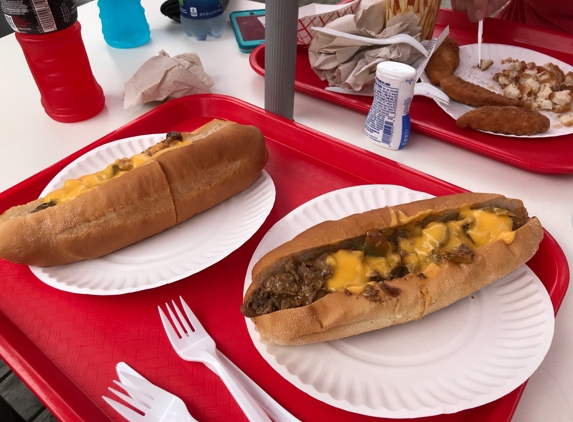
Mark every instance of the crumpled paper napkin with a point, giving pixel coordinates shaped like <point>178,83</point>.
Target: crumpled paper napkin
<point>351,64</point>
<point>163,78</point>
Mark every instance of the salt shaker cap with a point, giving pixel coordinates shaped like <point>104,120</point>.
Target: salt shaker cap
<point>394,70</point>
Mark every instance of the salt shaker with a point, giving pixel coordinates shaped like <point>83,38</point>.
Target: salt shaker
<point>388,121</point>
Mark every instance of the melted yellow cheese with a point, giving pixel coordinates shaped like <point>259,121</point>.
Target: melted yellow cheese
<point>356,289</point>
<point>352,270</point>
<point>383,265</point>
<point>486,226</point>
<point>348,269</point>
<point>75,187</point>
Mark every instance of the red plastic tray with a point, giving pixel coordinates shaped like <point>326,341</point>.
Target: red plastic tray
<point>65,346</point>
<point>540,155</point>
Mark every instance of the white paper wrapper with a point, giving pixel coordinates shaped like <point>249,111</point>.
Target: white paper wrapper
<point>352,64</point>
<point>163,78</point>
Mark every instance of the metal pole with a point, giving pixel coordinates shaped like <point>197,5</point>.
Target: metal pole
<point>281,22</point>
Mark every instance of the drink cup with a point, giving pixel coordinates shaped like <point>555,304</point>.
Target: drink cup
<point>59,64</point>
<point>427,10</point>
<point>50,36</point>
<point>123,23</point>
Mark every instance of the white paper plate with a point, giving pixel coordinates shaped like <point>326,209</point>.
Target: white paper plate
<point>469,71</point>
<point>166,257</point>
<point>468,354</point>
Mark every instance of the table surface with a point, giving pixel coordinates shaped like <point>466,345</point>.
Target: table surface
<point>549,393</point>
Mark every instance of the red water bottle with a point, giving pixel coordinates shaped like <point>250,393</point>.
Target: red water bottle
<point>50,37</point>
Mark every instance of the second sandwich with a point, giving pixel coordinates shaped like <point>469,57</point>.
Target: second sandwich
<point>387,266</point>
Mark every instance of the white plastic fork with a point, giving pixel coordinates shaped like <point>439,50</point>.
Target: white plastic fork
<point>480,37</point>
<point>421,88</point>
<point>396,39</point>
<point>193,343</point>
<point>154,403</point>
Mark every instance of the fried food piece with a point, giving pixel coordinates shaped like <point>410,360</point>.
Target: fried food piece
<point>547,87</point>
<point>444,61</point>
<point>566,119</point>
<point>485,64</point>
<point>508,120</point>
<point>471,94</point>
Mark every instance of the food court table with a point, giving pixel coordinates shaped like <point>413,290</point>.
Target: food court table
<point>31,141</point>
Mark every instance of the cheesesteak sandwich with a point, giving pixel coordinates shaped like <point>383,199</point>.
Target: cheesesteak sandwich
<point>134,198</point>
<point>387,266</point>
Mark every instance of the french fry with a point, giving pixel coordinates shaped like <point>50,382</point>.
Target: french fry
<point>425,9</point>
<point>430,19</point>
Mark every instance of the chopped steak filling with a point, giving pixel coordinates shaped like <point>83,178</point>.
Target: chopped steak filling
<point>301,283</point>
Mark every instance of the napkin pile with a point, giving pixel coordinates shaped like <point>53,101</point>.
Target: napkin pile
<point>163,78</point>
<point>352,64</point>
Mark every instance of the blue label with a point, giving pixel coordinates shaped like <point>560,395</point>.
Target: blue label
<point>405,131</point>
<point>201,9</point>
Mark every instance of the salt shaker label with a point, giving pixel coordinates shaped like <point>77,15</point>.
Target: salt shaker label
<point>388,121</point>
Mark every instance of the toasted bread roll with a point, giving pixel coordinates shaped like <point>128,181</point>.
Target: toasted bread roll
<point>409,263</point>
<point>227,163</point>
<point>170,182</point>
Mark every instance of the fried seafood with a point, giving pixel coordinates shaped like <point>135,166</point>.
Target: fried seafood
<point>509,120</point>
<point>444,61</point>
<point>469,93</point>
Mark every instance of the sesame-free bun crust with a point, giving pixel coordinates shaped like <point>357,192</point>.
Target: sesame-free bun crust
<point>226,163</point>
<point>224,158</point>
<point>339,315</point>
